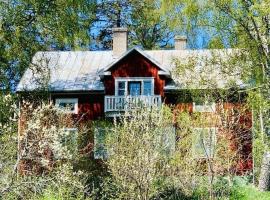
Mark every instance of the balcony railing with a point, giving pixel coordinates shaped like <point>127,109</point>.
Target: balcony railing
<point>125,103</point>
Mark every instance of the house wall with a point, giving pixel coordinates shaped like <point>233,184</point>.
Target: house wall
<point>134,65</point>
<point>91,106</point>
<point>234,125</point>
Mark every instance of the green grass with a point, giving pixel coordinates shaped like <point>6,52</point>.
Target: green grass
<point>248,192</point>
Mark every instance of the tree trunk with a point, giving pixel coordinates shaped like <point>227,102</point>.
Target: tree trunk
<point>264,179</point>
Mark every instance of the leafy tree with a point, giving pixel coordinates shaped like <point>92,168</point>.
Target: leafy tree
<point>242,24</point>
<point>146,25</point>
<point>28,26</point>
<point>137,151</point>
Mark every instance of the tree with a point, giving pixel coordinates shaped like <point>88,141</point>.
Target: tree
<point>228,151</point>
<point>137,151</point>
<point>28,26</point>
<point>242,24</point>
<point>146,25</point>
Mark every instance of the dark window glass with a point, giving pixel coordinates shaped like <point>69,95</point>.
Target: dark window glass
<point>121,88</point>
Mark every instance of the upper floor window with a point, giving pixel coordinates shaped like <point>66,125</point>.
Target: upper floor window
<point>121,88</point>
<point>69,105</point>
<point>134,86</point>
<point>147,89</point>
<point>204,107</point>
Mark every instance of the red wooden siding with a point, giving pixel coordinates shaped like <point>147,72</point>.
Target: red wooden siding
<point>240,135</point>
<point>134,65</point>
<point>237,131</point>
<point>91,106</point>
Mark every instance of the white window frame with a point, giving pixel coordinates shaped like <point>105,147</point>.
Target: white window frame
<point>139,79</point>
<point>68,100</point>
<point>214,131</point>
<point>206,107</point>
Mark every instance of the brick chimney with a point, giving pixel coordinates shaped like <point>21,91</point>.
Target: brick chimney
<point>119,41</point>
<point>180,42</point>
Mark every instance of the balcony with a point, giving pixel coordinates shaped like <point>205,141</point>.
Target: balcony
<point>126,103</point>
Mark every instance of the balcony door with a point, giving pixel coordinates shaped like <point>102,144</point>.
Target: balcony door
<point>134,88</point>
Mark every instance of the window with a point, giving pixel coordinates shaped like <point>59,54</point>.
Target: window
<point>100,151</point>
<point>68,139</point>
<point>204,107</point>
<point>134,86</point>
<point>167,145</point>
<point>121,88</point>
<point>69,105</point>
<point>147,89</point>
<point>204,141</point>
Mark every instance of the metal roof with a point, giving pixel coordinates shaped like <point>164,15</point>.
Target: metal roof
<point>81,70</point>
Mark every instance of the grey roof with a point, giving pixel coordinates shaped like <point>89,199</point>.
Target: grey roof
<point>68,71</point>
<point>81,70</point>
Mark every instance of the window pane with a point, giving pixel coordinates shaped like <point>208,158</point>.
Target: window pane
<point>121,85</point>
<point>68,139</point>
<point>204,107</point>
<point>134,88</point>
<point>121,92</point>
<point>121,88</point>
<point>100,151</point>
<point>168,140</point>
<point>203,142</point>
<point>147,90</point>
<point>68,104</point>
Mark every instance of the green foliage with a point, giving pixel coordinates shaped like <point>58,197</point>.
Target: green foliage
<point>8,112</point>
<point>136,157</point>
<point>238,24</point>
<point>248,192</point>
<point>28,26</point>
<point>62,183</point>
<point>145,22</point>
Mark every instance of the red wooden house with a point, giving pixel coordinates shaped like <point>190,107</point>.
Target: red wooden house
<point>101,84</point>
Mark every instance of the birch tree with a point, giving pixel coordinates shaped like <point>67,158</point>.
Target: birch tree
<point>241,24</point>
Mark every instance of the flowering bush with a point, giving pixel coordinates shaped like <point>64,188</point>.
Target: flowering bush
<point>41,149</point>
<point>43,141</point>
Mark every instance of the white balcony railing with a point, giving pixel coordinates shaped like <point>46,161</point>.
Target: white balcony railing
<point>125,103</point>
